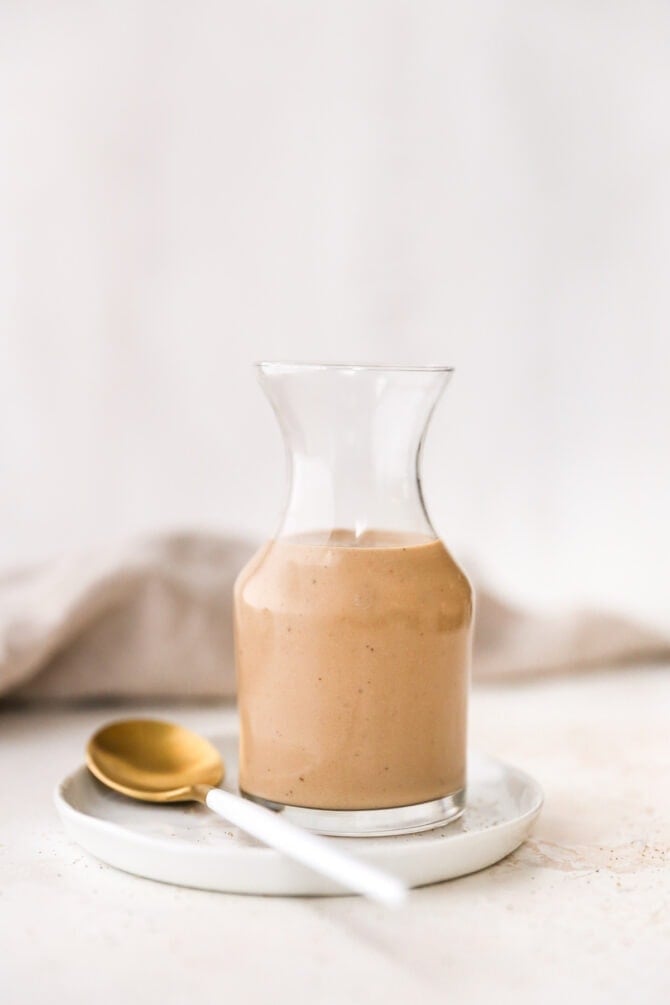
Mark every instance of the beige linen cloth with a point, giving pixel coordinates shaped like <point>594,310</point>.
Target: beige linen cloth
<point>153,618</point>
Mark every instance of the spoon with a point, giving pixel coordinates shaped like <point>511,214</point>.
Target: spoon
<point>161,762</point>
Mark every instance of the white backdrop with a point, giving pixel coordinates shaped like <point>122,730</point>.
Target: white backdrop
<point>187,187</point>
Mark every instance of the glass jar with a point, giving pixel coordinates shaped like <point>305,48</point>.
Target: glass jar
<point>353,623</point>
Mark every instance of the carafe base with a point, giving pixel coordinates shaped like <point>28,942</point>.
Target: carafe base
<point>372,823</point>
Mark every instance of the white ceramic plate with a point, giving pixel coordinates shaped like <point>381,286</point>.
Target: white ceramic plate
<point>187,845</point>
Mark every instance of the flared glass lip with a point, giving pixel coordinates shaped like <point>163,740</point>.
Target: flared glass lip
<point>292,366</point>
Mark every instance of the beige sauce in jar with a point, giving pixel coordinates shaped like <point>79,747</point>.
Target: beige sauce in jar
<point>353,669</point>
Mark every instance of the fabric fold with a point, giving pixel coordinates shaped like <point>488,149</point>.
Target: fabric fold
<point>154,618</point>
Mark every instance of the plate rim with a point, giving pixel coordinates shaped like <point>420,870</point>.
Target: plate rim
<point>383,845</point>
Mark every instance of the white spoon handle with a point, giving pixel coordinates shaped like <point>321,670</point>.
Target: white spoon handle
<point>316,852</point>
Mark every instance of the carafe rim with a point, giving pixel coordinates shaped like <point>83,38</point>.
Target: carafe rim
<point>291,366</point>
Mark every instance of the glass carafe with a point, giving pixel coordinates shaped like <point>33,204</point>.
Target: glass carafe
<point>353,623</point>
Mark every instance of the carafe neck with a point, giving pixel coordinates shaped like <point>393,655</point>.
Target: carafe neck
<point>353,437</point>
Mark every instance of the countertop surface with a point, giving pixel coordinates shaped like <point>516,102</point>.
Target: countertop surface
<point>581,912</point>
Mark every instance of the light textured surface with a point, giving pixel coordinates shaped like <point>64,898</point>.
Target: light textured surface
<point>579,913</point>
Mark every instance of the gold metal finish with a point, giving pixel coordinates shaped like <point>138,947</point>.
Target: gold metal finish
<point>152,760</point>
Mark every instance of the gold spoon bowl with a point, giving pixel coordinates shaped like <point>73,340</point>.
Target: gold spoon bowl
<point>156,761</point>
